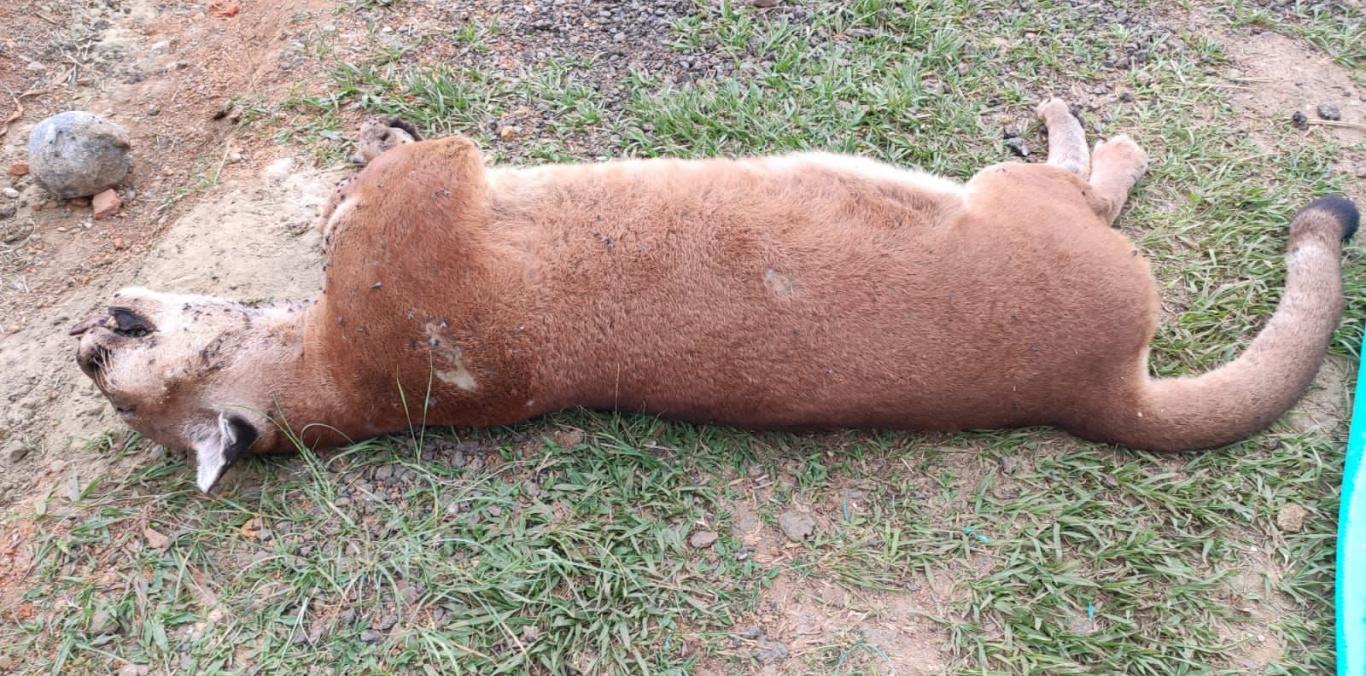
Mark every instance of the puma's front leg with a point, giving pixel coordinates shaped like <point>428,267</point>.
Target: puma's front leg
<point>1066,140</point>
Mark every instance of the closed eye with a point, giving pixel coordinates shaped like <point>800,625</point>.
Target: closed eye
<point>129,323</point>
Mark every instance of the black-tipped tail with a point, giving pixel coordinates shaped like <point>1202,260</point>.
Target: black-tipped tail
<point>1342,210</point>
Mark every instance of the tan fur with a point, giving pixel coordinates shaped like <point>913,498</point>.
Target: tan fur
<point>804,291</point>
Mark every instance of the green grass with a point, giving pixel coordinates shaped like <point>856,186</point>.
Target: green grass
<point>1337,28</point>
<point>1065,557</point>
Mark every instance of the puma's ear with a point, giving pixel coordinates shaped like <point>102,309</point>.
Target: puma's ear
<point>219,447</point>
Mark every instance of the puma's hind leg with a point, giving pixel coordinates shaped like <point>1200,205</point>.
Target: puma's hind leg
<point>1117,164</point>
<point>378,135</point>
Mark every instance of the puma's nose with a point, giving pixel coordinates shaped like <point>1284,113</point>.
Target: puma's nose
<point>97,319</point>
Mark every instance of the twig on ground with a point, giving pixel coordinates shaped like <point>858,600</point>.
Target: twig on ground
<point>18,108</point>
<point>1334,123</point>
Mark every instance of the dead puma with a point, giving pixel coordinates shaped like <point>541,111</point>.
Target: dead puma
<point>808,290</point>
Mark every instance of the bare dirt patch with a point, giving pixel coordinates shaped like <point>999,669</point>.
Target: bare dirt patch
<point>252,240</point>
<point>1281,76</point>
<point>167,71</point>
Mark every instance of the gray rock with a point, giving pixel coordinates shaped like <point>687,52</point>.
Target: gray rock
<point>102,622</point>
<point>8,211</point>
<point>797,526</point>
<point>77,154</point>
<point>10,193</point>
<point>702,539</point>
<point>770,651</point>
<point>1329,111</point>
<point>16,451</point>
<point>371,636</point>
<point>1018,147</point>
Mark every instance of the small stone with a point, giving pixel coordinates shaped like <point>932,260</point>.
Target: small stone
<point>1010,464</point>
<point>105,204</point>
<point>371,636</point>
<point>16,451</point>
<point>797,526</point>
<point>508,133</point>
<point>1329,111</point>
<point>264,534</point>
<point>750,632</point>
<point>383,472</point>
<point>1017,147</point>
<point>1299,121</point>
<point>766,4</point>
<point>530,633</point>
<point>7,211</point>
<point>155,540</point>
<point>119,244</point>
<point>76,153</point>
<point>567,439</point>
<point>1291,518</point>
<point>495,510</point>
<point>10,193</point>
<point>702,539</point>
<point>6,663</point>
<point>1361,170</point>
<point>387,623</point>
<point>18,169</point>
<point>103,622</point>
<point>224,10</point>
<point>35,66</point>
<point>770,651</point>
<point>134,670</point>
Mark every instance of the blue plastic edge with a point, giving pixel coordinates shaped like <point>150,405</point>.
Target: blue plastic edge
<point>1350,584</point>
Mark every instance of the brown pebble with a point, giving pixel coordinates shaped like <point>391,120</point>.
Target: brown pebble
<point>155,540</point>
<point>1291,518</point>
<point>105,204</point>
<point>18,169</point>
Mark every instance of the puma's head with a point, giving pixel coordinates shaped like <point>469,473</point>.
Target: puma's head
<point>191,372</point>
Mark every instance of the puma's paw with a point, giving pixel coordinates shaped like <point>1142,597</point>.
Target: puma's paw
<point>379,135</point>
<point>1121,151</point>
<point>1052,108</point>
